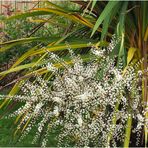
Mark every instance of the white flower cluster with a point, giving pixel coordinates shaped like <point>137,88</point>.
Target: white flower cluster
<point>82,101</point>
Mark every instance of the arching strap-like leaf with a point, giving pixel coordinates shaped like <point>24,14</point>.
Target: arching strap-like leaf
<point>46,11</point>
<point>55,6</point>
<point>18,68</point>
<point>72,16</point>
<point>72,45</point>
<point>27,14</point>
<point>108,8</point>
<point>13,91</point>
<point>9,44</point>
<point>108,20</point>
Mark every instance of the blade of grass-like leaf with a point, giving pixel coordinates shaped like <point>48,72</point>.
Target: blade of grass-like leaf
<point>93,5</point>
<point>146,35</point>
<point>48,21</point>
<point>44,11</point>
<point>144,12</point>
<point>22,40</point>
<point>24,115</point>
<point>18,68</point>
<point>17,119</point>
<point>114,120</point>
<point>71,16</point>
<point>122,18</point>
<point>13,91</point>
<point>10,44</point>
<point>105,26</point>
<point>6,47</point>
<point>121,33</point>
<point>55,6</point>
<point>121,50</point>
<point>27,14</point>
<point>24,127</point>
<point>21,59</point>
<point>24,56</point>
<point>128,132</point>
<point>32,50</point>
<point>72,45</point>
<point>51,44</point>
<point>108,8</point>
<point>107,21</point>
<point>130,55</point>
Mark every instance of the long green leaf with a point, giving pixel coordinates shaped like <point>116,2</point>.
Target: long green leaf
<point>18,68</point>
<point>72,45</point>
<point>44,11</point>
<point>93,5</point>
<point>55,6</point>
<point>128,132</point>
<point>144,5</point>
<point>121,33</point>
<point>109,21</point>
<point>107,10</point>
<point>12,43</point>
<point>27,14</point>
<point>13,91</point>
<point>105,26</point>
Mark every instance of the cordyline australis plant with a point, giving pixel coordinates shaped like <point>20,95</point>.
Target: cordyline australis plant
<point>89,103</point>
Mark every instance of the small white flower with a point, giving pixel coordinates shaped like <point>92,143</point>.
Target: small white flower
<point>39,129</point>
<point>50,67</point>
<point>81,78</point>
<point>38,107</point>
<point>124,99</point>
<point>57,99</point>
<point>140,72</point>
<point>140,118</point>
<point>56,111</point>
<point>85,96</point>
<point>139,125</point>
<point>97,53</point>
<point>80,121</point>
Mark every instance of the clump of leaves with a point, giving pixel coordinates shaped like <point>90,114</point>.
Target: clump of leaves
<point>90,103</point>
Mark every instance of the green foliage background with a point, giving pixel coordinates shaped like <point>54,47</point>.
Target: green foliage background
<point>78,23</point>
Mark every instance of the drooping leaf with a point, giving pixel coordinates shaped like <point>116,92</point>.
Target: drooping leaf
<point>12,43</point>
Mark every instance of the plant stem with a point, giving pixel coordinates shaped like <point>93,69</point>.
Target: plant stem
<point>128,131</point>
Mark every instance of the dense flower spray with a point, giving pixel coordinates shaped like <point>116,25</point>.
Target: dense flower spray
<point>82,100</point>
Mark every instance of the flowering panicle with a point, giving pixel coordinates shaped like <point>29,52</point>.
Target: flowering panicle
<point>82,100</point>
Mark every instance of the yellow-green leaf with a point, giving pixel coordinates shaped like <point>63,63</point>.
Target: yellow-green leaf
<point>131,53</point>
